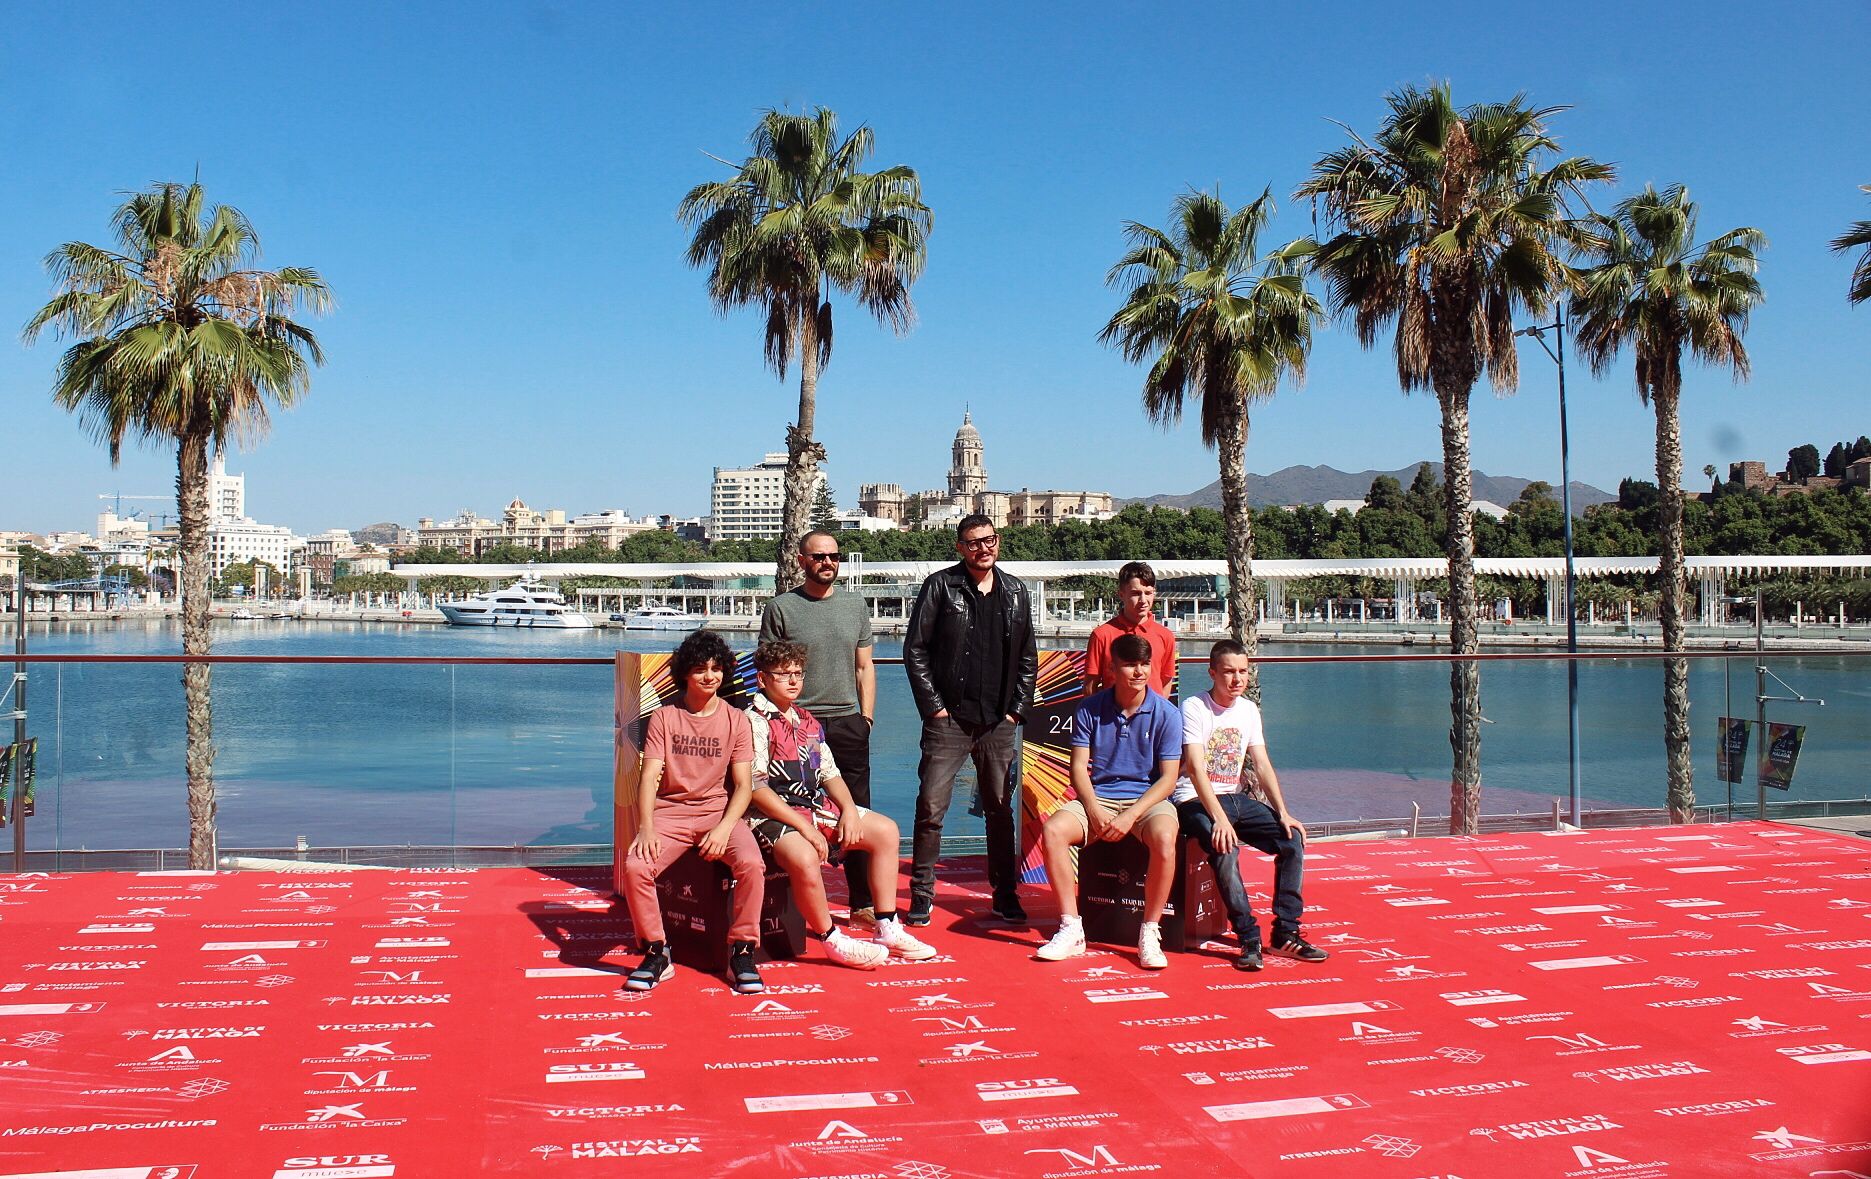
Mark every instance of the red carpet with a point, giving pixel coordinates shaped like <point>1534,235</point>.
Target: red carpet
<point>1620,1005</point>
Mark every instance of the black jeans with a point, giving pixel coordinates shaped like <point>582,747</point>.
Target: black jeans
<point>946,745</point>
<point>1257,826</point>
<point>850,741</point>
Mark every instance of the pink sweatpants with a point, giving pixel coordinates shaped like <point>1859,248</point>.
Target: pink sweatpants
<point>680,827</point>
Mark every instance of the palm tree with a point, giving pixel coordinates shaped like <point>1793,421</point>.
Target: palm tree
<point>180,340</point>
<point>1220,323</point>
<point>1859,235</point>
<point>1649,285</point>
<point>796,222</point>
<point>1449,225</point>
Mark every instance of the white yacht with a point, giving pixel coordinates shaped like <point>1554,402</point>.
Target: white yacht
<point>525,604</point>
<point>660,618</point>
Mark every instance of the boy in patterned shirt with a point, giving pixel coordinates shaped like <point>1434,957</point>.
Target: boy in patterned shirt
<point>801,809</point>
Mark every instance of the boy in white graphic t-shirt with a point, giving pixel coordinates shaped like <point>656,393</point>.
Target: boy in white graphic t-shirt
<point>1229,795</point>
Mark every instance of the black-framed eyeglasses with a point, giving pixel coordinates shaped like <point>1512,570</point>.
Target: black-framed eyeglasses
<point>834,558</point>
<point>981,542</point>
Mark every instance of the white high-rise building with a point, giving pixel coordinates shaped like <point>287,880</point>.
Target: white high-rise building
<point>234,536</point>
<point>748,503</point>
<point>227,494</point>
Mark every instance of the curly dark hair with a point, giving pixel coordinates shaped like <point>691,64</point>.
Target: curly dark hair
<point>702,647</point>
<point>777,653</point>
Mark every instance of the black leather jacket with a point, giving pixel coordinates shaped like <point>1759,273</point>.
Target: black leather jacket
<point>940,629</point>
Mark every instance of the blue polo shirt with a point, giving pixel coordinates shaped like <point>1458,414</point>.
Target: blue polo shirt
<point>1125,750</point>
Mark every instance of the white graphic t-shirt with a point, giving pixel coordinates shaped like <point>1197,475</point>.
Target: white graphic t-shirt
<point>1225,737</point>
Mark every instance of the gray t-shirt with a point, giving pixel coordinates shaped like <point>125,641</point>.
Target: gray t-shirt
<point>832,629</point>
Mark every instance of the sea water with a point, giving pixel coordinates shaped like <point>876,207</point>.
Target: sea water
<point>464,754</point>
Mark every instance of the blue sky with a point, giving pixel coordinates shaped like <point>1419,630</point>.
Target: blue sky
<point>490,191</point>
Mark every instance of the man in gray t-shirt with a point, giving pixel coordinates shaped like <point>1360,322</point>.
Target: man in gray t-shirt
<point>841,680</point>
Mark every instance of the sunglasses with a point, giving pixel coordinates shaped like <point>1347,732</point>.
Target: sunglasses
<point>834,558</point>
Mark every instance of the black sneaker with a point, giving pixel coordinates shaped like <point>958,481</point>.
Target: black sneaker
<point>655,968</point>
<point>1008,911</point>
<point>921,910</point>
<point>1291,945</point>
<point>741,973</point>
<point>1249,957</point>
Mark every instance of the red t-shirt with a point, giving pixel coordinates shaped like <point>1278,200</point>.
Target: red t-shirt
<point>696,751</point>
<point>1162,652</point>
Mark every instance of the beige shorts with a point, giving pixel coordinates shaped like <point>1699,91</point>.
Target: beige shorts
<point>1074,807</point>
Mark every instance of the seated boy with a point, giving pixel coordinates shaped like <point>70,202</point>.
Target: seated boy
<point>692,747</point>
<point>1224,762</point>
<point>800,803</point>
<point>1126,744</point>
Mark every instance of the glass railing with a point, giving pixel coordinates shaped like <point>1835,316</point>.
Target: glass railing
<point>498,758</point>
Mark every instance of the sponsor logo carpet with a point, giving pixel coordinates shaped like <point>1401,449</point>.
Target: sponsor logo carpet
<point>1495,1025</point>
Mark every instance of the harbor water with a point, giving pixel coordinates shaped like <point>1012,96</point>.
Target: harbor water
<point>502,755</point>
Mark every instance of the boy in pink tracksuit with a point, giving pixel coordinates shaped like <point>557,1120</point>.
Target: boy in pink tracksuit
<point>696,748</point>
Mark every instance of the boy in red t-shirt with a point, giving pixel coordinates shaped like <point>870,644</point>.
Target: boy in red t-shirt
<point>692,748</point>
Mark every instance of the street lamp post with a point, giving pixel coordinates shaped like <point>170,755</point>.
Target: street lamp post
<point>1558,326</point>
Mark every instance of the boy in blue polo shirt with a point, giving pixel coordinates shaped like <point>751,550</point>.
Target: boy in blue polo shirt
<point>1126,750</point>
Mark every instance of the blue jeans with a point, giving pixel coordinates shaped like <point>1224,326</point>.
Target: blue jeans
<point>1256,825</point>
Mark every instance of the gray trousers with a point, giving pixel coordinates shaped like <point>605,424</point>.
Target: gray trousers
<point>946,746</point>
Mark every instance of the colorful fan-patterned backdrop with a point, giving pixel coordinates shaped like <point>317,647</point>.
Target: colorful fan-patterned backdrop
<point>1046,751</point>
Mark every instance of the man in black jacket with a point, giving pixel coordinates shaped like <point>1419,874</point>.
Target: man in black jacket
<point>972,662</point>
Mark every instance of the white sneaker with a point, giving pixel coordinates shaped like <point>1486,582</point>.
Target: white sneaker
<point>1150,946</point>
<point>849,951</point>
<point>1069,942</point>
<point>899,941</point>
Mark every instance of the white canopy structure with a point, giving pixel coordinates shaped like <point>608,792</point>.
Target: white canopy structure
<point>1710,573</point>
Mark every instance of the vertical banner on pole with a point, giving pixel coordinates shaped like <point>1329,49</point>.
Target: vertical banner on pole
<point>21,760</point>
<point>643,684</point>
<point>1731,749</point>
<point>1780,752</point>
<point>26,765</point>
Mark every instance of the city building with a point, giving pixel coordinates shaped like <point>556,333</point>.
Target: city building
<point>233,542</point>
<point>235,537</point>
<point>322,553</point>
<point>967,493</point>
<point>863,522</point>
<point>548,531</point>
<point>885,501</point>
<point>464,534</point>
<point>1755,476</point>
<point>747,503</point>
<point>227,494</point>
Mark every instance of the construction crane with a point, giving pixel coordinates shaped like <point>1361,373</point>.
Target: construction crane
<point>117,498</point>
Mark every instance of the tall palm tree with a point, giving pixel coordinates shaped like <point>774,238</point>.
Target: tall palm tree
<point>796,222</point>
<point>1859,235</point>
<point>1650,286</point>
<point>1221,324</point>
<point>1449,222</point>
<point>180,340</point>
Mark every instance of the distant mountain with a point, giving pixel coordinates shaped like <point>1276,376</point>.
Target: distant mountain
<point>377,533</point>
<point>1316,485</point>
